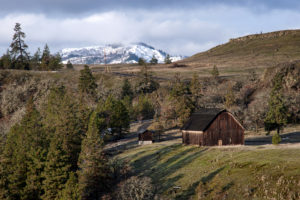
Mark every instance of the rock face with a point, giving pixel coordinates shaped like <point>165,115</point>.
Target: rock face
<point>114,54</point>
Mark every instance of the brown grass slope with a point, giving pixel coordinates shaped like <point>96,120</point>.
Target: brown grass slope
<point>258,50</point>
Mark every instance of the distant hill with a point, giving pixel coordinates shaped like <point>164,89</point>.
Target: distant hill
<point>114,54</point>
<point>258,50</point>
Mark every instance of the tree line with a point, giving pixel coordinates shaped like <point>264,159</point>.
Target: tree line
<point>17,56</point>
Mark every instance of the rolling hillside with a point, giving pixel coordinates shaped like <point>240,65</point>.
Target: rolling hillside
<point>258,50</point>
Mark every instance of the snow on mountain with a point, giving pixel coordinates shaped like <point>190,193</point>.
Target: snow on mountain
<point>114,54</point>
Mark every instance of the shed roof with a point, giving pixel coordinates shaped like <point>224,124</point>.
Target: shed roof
<point>201,119</point>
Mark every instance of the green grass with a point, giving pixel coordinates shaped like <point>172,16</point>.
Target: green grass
<point>217,173</point>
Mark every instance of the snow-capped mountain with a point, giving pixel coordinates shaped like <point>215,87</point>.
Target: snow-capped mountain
<point>114,54</point>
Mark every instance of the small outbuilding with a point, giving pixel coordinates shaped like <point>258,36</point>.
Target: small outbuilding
<point>146,137</point>
<point>211,127</point>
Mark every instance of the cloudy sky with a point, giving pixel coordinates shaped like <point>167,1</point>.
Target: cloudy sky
<point>182,27</point>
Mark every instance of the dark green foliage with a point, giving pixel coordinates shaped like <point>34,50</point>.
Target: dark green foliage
<point>23,157</point>
<point>126,89</point>
<point>6,61</point>
<point>182,102</point>
<point>215,72</point>
<point>71,190</point>
<point>69,65</point>
<point>66,120</point>
<point>144,108</point>
<point>277,115</point>
<point>141,62</point>
<point>20,58</point>
<point>168,59</point>
<point>196,89</point>
<point>36,60</point>
<point>92,167</point>
<point>146,82</point>
<point>117,116</point>
<point>276,139</point>
<point>87,84</point>
<point>50,62</point>
<point>153,60</point>
<point>57,169</point>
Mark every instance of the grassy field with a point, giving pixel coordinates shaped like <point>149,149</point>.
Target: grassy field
<point>232,172</point>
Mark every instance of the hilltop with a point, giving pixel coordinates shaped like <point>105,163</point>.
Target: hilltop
<point>258,50</point>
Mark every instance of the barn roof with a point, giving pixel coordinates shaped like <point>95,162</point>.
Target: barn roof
<point>201,119</point>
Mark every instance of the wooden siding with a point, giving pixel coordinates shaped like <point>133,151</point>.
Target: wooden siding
<point>146,136</point>
<point>224,129</point>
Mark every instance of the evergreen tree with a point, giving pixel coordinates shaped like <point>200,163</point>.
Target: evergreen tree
<point>46,57</point>
<point>126,89</point>
<point>71,190</point>
<point>18,51</point>
<point>146,83</point>
<point>229,98</point>
<point>69,65</point>
<point>168,59</point>
<point>92,167</point>
<point>182,102</point>
<point>24,155</point>
<point>36,59</point>
<point>215,72</point>
<point>117,116</point>
<point>277,115</point>
<point>55,62</point>
<point>87,83</point>
<point>6,61</point>
<point>66,120</point>
<point>153,60</point>
<point>57,169</point>
<point>141,62</point>
<point>196,89</point>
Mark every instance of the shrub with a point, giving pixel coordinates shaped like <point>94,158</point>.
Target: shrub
<point>135,188</point>
<point>276,139</point>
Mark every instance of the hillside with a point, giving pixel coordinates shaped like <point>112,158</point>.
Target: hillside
<point>258,50</point>
<point>233,172</point>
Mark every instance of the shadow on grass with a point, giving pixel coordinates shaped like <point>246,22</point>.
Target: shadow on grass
<point>151,165</point>
<point>186,194</point>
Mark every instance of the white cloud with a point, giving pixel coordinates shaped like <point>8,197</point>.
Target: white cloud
<point>184,32</point>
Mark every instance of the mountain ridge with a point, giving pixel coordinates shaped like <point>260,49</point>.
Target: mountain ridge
<point>114,54</point>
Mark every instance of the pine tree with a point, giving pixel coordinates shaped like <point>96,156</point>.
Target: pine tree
<point>229,98</point>
<point>24,156</point>
<point>126,90</point>
<point>66,119</point>
<point>196,89</point>
<point>46,57</point>
<point>36,59</point>
<point>153,60</point>
<point>141,62</point>
<point>182,102</point>
<point>71,190</point>
<point>92,175</point>
<point>18,51</point>
<point>6,60</point>
<point>117,116</point>
<point>146,82</point>
<point>87,83</point>
<point>277,115</point>
<point>57,169</point>
<point>69,65</point>
<point>168,59</point>
<point>215,72</point>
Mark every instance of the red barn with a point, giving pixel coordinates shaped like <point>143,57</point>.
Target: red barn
<point>210,127</point>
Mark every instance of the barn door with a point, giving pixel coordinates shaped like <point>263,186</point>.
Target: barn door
<point>220,143</point>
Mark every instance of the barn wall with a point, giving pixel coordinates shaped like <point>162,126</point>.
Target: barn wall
<point>224,128</point>
<point>192,137</point>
